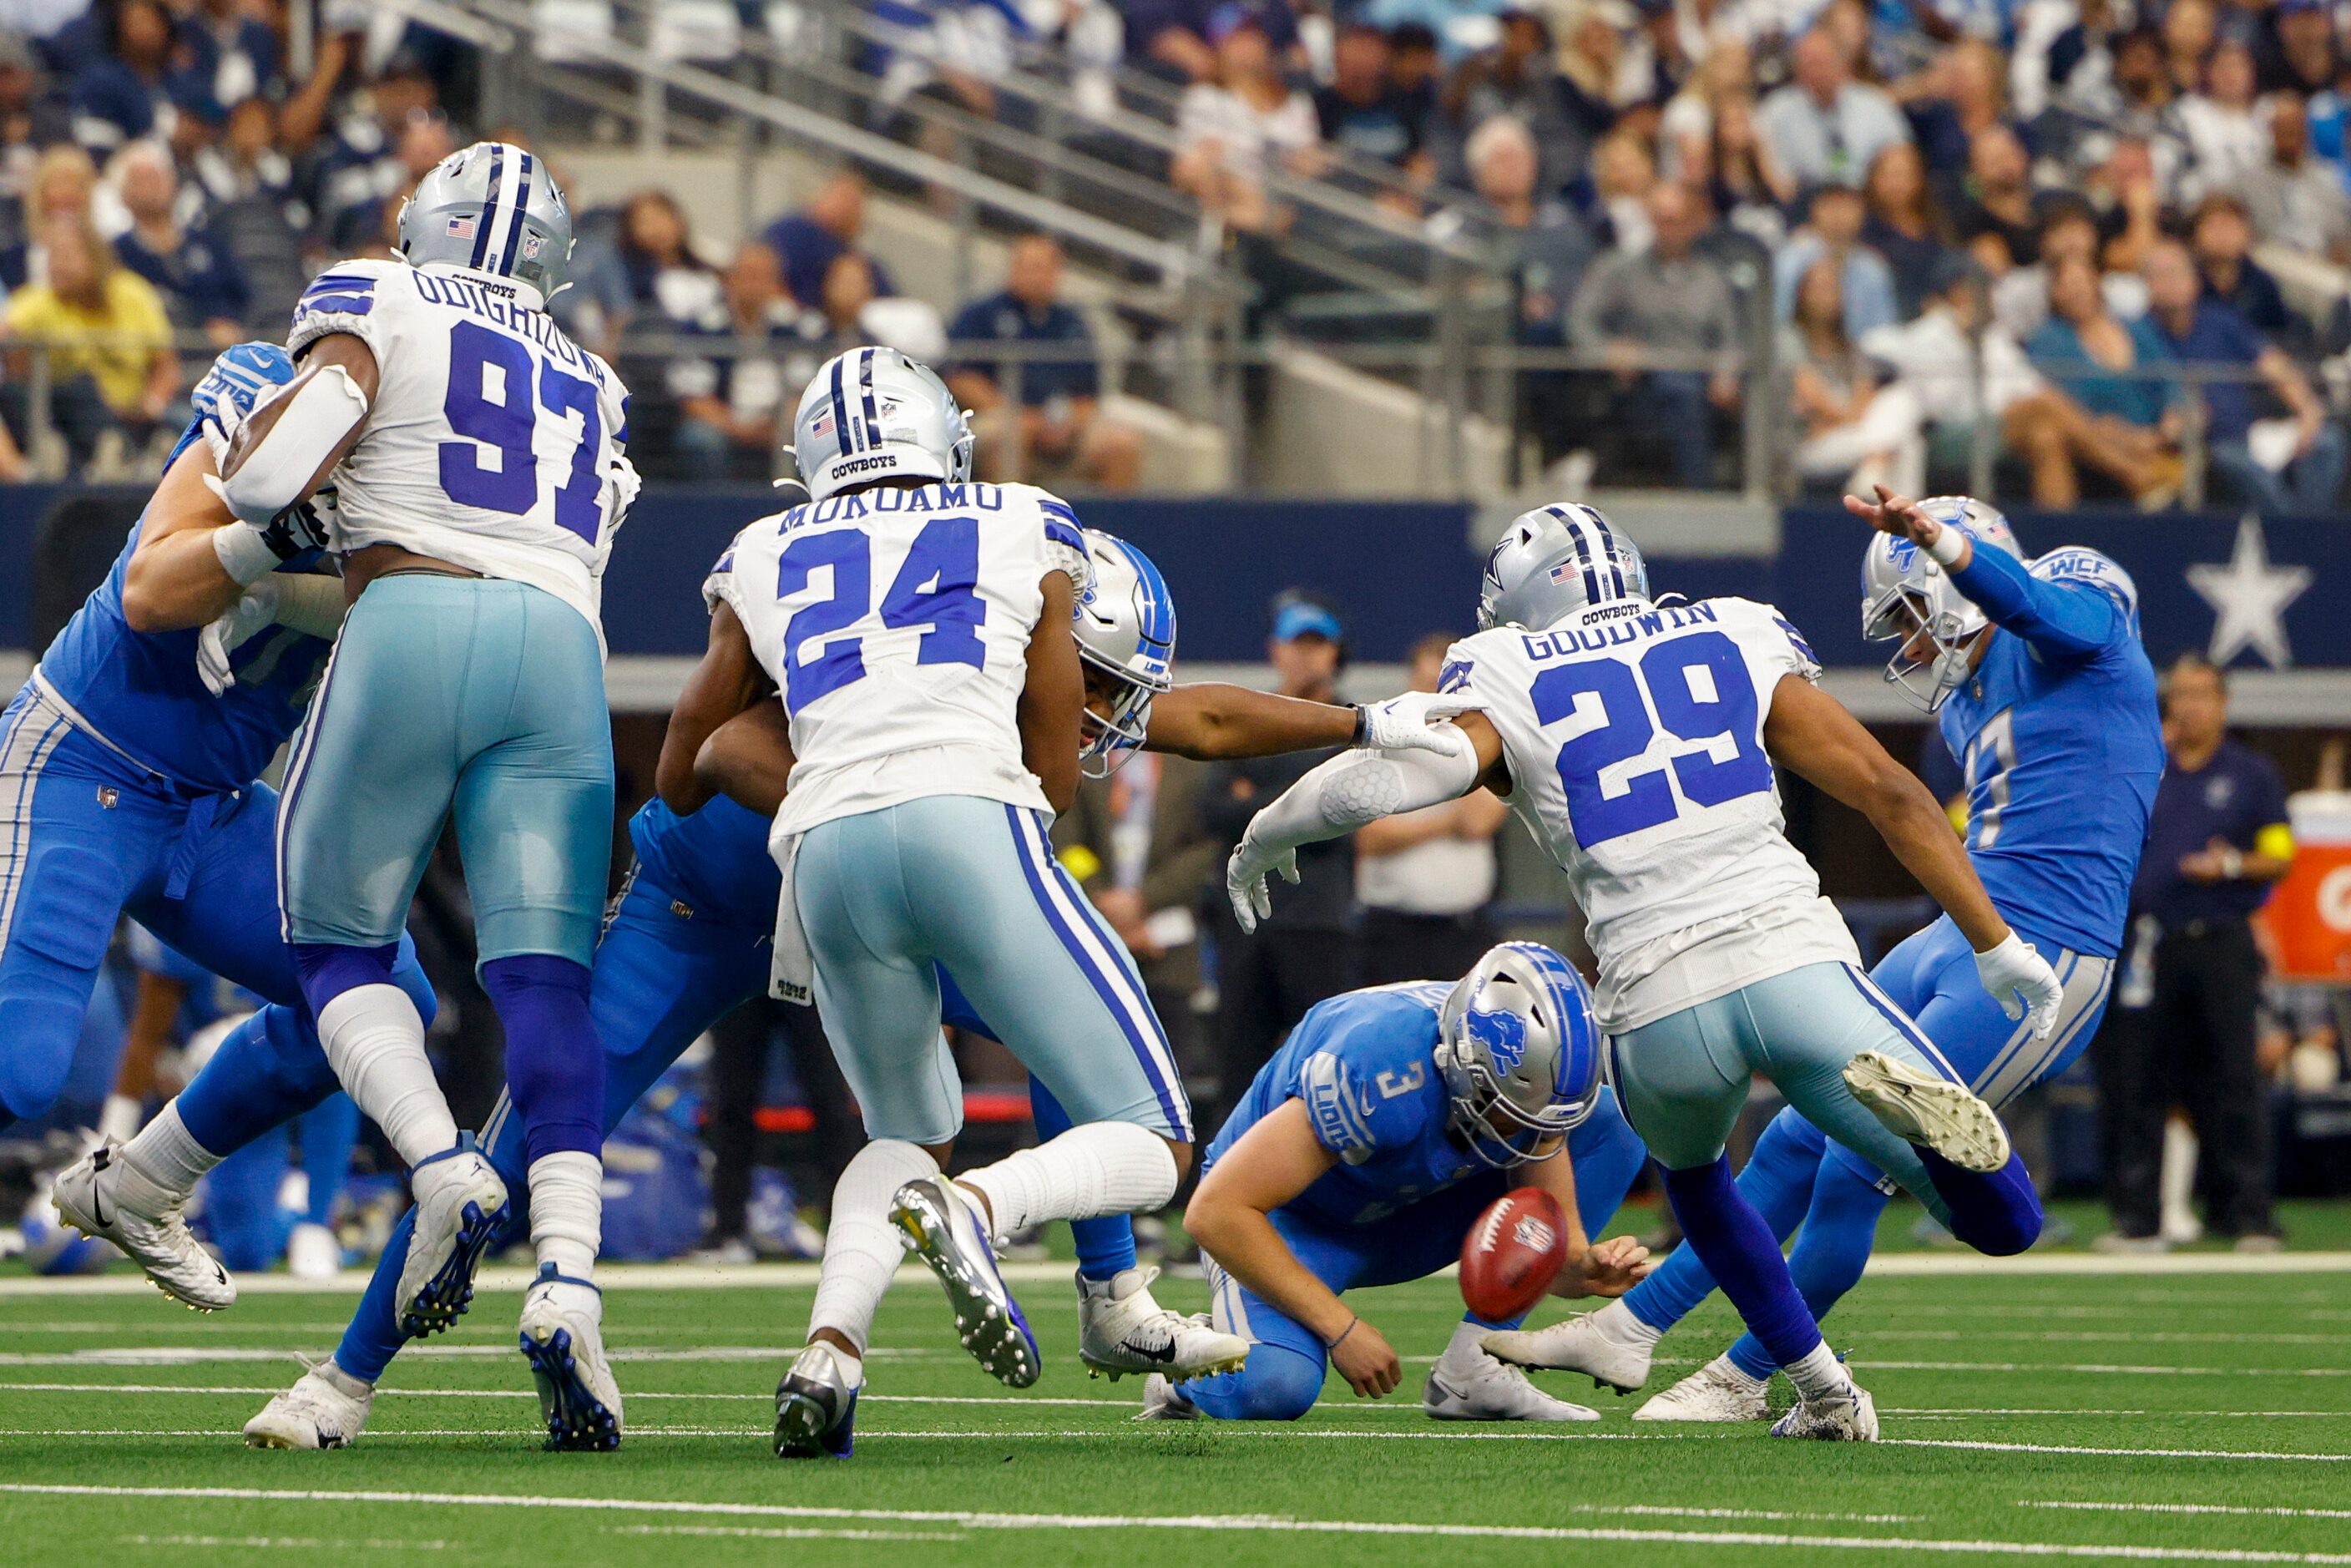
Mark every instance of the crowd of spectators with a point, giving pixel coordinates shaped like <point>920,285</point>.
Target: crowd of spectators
<point>1920,232</point>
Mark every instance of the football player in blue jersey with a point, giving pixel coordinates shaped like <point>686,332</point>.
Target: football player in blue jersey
<point>2042,690</point>
<point>129,763</point>
<point>1364,1151</point>
<point>688,941</point>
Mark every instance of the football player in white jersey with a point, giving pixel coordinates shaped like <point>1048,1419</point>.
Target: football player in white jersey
<point>478,454</point>
<point>1637,741</point>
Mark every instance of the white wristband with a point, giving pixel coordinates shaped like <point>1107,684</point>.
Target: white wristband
<point>310,602</point>
<point>244,554</point>
<point>1948,545</point>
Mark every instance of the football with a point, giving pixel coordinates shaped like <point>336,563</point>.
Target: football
<point>1513,1253</point>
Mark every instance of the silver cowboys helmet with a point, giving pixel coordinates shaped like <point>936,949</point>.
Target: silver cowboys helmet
<point>1126,626</point>
<point>1519,1050</point>
<point>493,207</point>
<point>1907,593</point>
<point>873,414</point>
<point>1553,562</point>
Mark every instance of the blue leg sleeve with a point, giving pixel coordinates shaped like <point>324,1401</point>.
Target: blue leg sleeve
<point>1998,1215</point>
<point>554,1064</point>
<point>1105,1246</point>
<point>267,1073</point>
<point>1831,1251</point>
<point>1777,1182</point>
<point>373,1337</point>
<point>328,1134</point>
<point>1739,1248</point>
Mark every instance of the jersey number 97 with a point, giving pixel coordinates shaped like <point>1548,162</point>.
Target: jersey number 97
<point>506,422</point>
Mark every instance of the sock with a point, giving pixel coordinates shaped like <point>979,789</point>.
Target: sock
<point>1106,1245</point>
<point>1997,1214</point>
<point>1840,1228</point>
<point>119,1117</point>
<point>852,1367</point>
<point>567,1211</point>
<point>1777,1182</point>
<point>270,1069</point>
<point>1618,1324</point>
<point>374,1039</point>
<point>162,1165</point>
<point>1463,1355</point>
<point>357,1387</point>
<point>1729,1365</point>
<point>555,1066</point>
<point>1817,1374</point>
<point>1102,1167</point>
<point>861,1248</point>
<point>1740,1250</point>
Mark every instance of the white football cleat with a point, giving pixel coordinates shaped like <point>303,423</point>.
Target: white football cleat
<point>312,1252</point>
<point>461,1206</point>
<point>1120,1329</point>
<point>1574,1344</point>
<point>1493,1390</point>
<point>326,1408</point>
<point>563,1340</point>
<point>1161,1401</point>
<point>1849,1415</point>
<point>90,1196</point>
<point>1717,1392</point>
<point>943,1227</point>
<point>1933,1113</point>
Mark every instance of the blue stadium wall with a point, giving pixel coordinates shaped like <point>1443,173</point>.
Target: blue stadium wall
<point>1397,571</point>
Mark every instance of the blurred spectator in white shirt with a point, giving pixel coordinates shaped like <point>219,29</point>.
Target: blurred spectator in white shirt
<point>730,404</point>
<point>1824,126</point>
<point>2220,125</point>
<point>2296,200</point>
<point>1230,135</point>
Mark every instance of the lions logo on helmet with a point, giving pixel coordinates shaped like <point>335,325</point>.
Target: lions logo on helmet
<point>1125,626</point>
<point>1520,1051</point>
<point>1907,595</point>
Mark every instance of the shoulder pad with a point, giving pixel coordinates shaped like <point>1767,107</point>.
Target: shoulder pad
<point>343,299</point>
<point>2079,563</point>
<point>1337,1107</point>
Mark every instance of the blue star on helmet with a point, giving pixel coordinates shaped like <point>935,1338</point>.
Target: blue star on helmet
<point>1501,1032</point>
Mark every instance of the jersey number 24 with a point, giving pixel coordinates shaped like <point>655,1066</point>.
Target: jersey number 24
<point>937,587</point>
<point>1700,691</point>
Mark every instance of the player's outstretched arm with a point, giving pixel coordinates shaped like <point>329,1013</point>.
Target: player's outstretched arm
<point>1053,699</point>
<point>1810,734</point>
<point>726,681</point>
<point>1214,721</point>
<point>750,759</point>
<point>2067,620</point>
<point>1343,794</point>
<point>1231,1215</point>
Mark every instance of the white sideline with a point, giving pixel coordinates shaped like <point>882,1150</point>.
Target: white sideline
<point>1269,1524</point>
<point>727,1277</point>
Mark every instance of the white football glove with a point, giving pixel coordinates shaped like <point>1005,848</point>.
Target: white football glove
<point>1245,878</point>
<point>217,644</point>
<point>1409,722</point>
<point>2021,981</point>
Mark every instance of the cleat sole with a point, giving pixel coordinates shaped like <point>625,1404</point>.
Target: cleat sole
<point>577,1421</point>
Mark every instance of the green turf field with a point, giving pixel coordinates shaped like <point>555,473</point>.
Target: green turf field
<point>2201,1416</point>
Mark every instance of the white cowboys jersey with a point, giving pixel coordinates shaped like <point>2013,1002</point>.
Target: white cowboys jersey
<point>895,625</point>
<point>494,441</point>
<point>1634,735</point>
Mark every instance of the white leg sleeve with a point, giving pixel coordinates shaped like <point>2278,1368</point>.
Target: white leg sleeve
<point>567,1211</point>
<point>375,1043</point>
<point>1102,1167</point>
<point>862,1248</point>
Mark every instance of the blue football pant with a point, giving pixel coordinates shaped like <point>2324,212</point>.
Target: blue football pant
<point>85,838</point>
<point>1796,1176</point>
<point>242,1216</point>
<point>1287,1360</point>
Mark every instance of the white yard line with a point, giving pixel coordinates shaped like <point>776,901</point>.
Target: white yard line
<point>1239,1523</point>
<point>2101,1368</point>
<point>2269,1457</point>
<point>2191,1508</point>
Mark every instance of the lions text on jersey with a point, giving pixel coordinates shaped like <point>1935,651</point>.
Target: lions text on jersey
<point>895,623</point>
<point>1633,734</point>
<point>494,441</point>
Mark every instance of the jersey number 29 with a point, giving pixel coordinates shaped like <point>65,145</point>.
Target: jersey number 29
<point>506,423</point>
<point>937,587</point>
<point>1701,690</point>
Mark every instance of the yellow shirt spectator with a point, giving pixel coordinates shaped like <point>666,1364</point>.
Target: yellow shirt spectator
<point>116,344</point>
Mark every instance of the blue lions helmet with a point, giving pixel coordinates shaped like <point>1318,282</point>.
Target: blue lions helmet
<point>1518,1048</point>
<point>1126,626</point>
<point>1553,562</point>
<point>495,208</point>
<point>1906,595</point>
<point>237,381</point>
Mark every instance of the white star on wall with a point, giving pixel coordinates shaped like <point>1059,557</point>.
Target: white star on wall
<point>2249,599</point>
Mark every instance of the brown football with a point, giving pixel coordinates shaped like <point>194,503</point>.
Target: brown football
<point>1513,1254</point>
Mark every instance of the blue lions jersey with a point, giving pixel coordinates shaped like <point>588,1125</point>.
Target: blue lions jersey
<point>2060,742</point>
<point>141,690</point>
<point>1364,1065</point>
<point>715,862</point>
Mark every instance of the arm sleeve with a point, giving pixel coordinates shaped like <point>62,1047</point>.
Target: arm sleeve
<point>1358,787</point>
<point>2067,620</point>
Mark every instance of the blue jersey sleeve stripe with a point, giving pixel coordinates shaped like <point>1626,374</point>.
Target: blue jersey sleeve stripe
<point>355,282</point>
<point>1061,533</point>
<point>335,305</point>
<point>1061,509</point>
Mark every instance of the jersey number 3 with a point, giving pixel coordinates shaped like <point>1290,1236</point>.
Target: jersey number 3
<point>936,587</point>
<point>1700,689</point>
<point>506,422</point>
